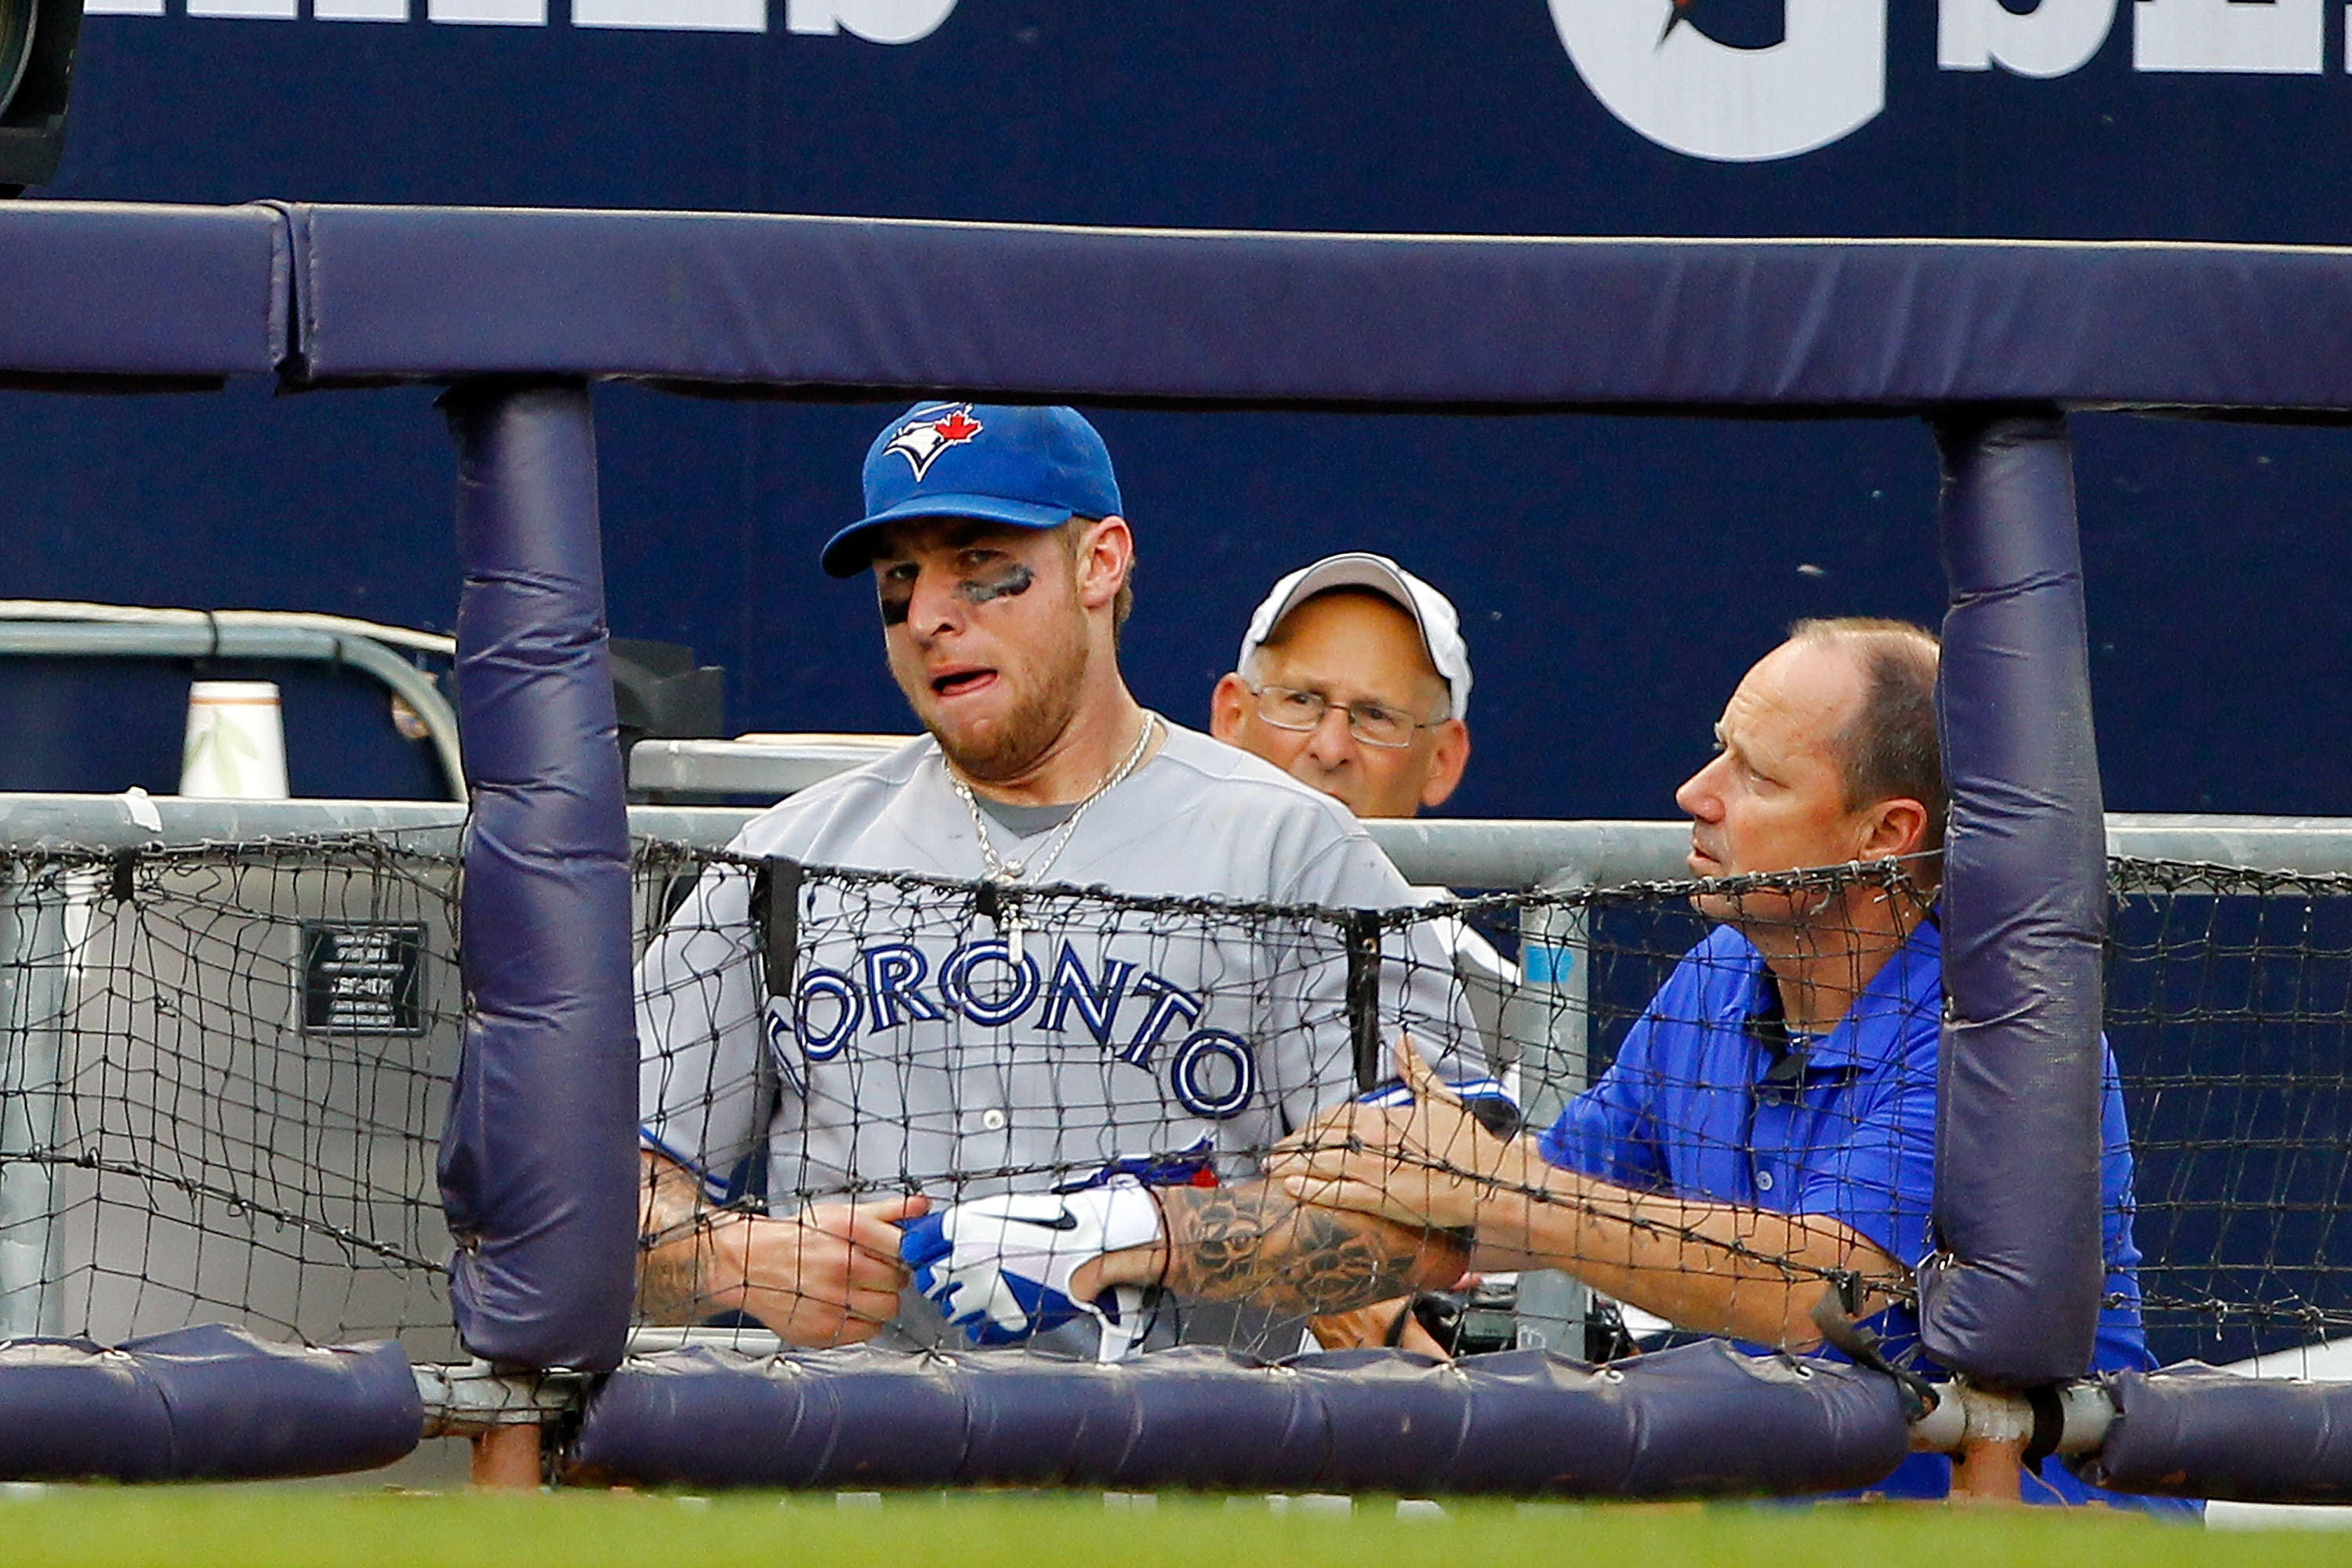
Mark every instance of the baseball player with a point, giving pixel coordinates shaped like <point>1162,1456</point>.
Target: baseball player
<point>920,1050</point>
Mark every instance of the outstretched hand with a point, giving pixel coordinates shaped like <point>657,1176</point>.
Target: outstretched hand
<point>1428,1163</point>
<point>827,1276</point>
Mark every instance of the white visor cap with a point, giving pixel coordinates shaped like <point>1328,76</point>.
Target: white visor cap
<point>1440,629</point>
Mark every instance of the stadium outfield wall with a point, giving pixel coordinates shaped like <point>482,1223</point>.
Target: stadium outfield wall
<point>520,310</point>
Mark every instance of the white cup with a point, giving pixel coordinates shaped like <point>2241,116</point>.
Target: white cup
<point>237,741</point>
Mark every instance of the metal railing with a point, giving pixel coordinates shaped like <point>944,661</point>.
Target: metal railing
<point>1497,853</point>
<point>1503,852</point>
<point>253,634</point>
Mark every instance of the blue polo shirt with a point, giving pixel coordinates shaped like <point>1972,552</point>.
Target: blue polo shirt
<point>1707,1102</point>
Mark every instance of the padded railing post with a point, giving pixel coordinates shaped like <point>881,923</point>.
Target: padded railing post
<point>2010,1298</point>
<point>538,1160</point>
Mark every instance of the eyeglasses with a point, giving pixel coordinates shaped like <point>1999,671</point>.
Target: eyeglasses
<point>1373,724</point>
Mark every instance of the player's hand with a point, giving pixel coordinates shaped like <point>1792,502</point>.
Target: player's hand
<point>827,1276</point>
<point>1430,1162</point>
<point>999,1268</point>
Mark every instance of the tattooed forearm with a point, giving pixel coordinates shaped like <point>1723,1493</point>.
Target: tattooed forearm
<point>1255,1243</point>
<point>671,1239</point>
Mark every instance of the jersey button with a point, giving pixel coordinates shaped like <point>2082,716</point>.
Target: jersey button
<point>1763,1181</point>
<point>992,1118</point>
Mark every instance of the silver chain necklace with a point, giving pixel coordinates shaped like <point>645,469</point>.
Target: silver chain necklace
<point>1009,872</point>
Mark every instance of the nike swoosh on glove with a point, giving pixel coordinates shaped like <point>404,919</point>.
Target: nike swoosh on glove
<point>999,1268</point>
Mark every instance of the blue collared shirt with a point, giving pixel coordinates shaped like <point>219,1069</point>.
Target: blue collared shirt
<point>1705,1102</point>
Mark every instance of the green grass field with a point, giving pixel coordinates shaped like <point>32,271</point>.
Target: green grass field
<point>237,1527</point>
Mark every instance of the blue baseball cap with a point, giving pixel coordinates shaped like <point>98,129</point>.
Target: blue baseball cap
<point>1032,468</point>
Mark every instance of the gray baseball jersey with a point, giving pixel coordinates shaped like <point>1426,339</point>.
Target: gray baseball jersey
<point>918,1048</point>
<point>1489,982</point>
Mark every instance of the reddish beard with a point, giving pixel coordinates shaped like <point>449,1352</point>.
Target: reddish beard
<point>1011,745</point>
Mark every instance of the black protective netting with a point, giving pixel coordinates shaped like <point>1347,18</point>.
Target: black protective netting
<point>224,1078</point>
<point>225,1070</point>
<point>2230,1007</point>
<point>813,1039</point>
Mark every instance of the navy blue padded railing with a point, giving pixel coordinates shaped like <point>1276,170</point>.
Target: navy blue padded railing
<point>894,308</point>
<point>1698,1420</point>
<point>538,1161</point>
<point>889,308</point>
<point>131,296</point>
<point>2194,1431</point>
<point>2013,1298</point>
<point>860,307</point>
<point>205,1403</point>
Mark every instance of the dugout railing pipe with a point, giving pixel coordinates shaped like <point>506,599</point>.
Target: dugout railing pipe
<point>201,639</point>
<point>1551,1016</point>
<point>1459,852</point>
<point>538,1163</point>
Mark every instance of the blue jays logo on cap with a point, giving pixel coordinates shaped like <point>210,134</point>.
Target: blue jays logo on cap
<point>921,441</point>
<point>1024,466</point>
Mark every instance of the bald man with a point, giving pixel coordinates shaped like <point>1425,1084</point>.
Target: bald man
<point>1769,1124</point>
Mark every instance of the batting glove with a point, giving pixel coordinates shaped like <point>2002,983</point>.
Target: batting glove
<point>999,1268</point>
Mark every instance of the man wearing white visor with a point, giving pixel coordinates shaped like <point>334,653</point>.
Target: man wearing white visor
<point>1353,679</point>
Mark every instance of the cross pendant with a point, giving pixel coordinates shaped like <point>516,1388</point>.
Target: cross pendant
<point>1008,920</point>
